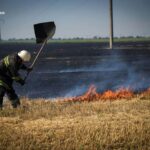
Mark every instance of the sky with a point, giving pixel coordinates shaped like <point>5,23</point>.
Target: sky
<point>75,18</point>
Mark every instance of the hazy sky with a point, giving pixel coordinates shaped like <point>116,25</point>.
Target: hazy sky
<point>75,18</point>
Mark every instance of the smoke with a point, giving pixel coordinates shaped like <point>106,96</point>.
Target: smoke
<point>112,72</point>
<point>78,90</point>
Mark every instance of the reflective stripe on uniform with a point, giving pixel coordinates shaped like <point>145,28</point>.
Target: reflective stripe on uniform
<point>17,78</point>
<point>6,61</point>
<point>4,84</point>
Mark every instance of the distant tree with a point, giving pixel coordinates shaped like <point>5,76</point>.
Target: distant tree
<point>77,38</point>
<point>59,38</point>
<point>95,37</point>
<point>138,37</point>
<point>20,39</point>
<point>130,36</point>
<point>12,39</point>
<point>116,37</point>
<point>122,37</point>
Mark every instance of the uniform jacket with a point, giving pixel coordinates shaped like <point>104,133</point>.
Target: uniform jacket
<point>9,67</point>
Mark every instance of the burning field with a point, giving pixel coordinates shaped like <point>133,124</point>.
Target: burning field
<point>93,95</point>
<point>96,119</point>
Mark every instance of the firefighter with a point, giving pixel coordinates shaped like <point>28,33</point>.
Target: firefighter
<point>9,68</point>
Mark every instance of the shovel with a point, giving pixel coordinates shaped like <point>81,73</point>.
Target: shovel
<point>43,32</point>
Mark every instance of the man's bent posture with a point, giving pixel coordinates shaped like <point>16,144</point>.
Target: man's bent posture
<point>9,67</point>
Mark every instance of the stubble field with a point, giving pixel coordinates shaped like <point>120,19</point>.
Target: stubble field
<point>43,124</point>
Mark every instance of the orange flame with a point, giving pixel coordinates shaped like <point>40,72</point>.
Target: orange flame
<point>93,95</point>
<point>119,94</point>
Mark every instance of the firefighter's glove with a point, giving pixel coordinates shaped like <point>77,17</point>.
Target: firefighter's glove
<point>22,82</point>
<point>29,69</point>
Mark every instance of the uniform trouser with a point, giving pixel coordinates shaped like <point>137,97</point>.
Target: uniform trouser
<point>12,96</point>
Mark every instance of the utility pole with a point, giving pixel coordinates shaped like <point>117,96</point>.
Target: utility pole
<point>1,21</point>
<point>111,24</point>
<point>0,34</point>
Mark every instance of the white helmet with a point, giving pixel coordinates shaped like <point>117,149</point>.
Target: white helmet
<point>24,55</point>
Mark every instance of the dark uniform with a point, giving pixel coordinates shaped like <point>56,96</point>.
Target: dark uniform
<point>9,67</point>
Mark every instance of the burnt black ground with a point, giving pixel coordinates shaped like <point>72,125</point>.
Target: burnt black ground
<point>69,69</point>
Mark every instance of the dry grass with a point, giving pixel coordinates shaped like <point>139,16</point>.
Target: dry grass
<point>43,124</point>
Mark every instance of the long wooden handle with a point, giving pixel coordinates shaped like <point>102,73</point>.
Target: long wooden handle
<point>36,58</point>
<point>39,52</point>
